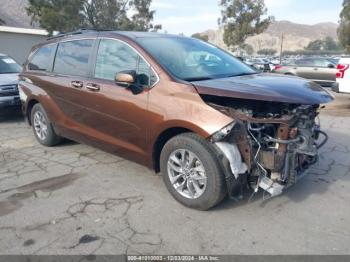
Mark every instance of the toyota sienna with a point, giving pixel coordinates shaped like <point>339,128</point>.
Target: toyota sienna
<point>209,123</point>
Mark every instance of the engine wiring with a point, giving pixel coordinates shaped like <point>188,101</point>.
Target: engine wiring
<point>264,171</point>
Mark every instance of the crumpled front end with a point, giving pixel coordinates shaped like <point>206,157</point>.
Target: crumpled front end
<point>271,144</point>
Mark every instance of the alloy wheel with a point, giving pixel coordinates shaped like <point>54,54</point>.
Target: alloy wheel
<point>40,125</point>
<point>187,174</point>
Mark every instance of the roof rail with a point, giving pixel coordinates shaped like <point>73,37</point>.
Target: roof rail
<point>78,32</point>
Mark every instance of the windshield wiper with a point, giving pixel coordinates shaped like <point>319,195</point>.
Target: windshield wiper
<point>190,79</point>
<point>244,74</point>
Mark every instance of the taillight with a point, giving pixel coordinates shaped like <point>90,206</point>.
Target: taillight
<point>278,67</point>
<point>341,70</point>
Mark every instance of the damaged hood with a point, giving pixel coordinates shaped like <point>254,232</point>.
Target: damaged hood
<point>266,87</point>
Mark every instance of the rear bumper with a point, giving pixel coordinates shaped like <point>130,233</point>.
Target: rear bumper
<point>10,101</point>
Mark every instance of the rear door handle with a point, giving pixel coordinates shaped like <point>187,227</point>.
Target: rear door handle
<point>93,87</point>
<point>77,84</point>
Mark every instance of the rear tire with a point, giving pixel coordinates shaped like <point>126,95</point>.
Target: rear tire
<point>42,127</point>
<point>198,183</point>
<point>335,89</point>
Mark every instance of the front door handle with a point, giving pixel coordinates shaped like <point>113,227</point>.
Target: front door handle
<point>93,87</point>
<point>77,84</point>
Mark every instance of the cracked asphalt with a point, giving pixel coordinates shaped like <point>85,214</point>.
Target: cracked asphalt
<point>75,199</point>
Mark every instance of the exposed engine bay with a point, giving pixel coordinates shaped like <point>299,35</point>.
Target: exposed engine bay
<point>270,145</point>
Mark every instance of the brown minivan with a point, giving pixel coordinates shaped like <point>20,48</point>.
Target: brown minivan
<point>211,124</point>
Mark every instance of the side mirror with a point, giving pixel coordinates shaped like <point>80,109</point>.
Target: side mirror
<point>331,66</point>
<point>125,78</point>
<point>128,79</point>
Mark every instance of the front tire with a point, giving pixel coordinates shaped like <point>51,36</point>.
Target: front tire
<point>42,127</point>
<point>192,171</point>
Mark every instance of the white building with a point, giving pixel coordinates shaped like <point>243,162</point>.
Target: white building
<point>17,42</point>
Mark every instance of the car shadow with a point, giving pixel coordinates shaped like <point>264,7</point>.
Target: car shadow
<point>332,166</point>
<point>67,143</point>
<point>11,116</point>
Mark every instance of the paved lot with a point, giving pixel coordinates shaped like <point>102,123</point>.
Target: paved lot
<point>74,199</point>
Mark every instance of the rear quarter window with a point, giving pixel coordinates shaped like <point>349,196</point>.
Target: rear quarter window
<point>72,58</point>
<point>41,60</point>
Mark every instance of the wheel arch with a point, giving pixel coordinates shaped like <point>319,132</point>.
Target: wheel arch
<point>29,108</point>
<point>162,139</point>
<point>171,129</point>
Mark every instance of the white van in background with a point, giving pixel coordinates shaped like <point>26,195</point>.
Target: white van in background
<point>343,76</point>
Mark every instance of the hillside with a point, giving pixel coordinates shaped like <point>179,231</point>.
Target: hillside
<point>296,36</point>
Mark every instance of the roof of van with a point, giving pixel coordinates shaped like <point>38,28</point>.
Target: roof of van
<point>134,34</point>
<point>129,34</point>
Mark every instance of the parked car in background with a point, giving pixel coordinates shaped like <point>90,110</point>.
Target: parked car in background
<point>260,64</point>
<point>208,122</point>
<point>9,96</point>
<point>319,70</point>
<point>335,60</point>
<point>343,76</point>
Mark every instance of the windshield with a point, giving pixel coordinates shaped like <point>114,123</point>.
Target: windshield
<point>8,65</point>
<point>191,59</point>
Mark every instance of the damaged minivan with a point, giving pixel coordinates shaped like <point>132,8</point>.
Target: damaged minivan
<point>209,123</point>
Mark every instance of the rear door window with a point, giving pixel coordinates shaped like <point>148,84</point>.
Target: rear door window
<point>322,63</point>
<point>305,62</point>
<point>72,58</point>
<point>42,58</point>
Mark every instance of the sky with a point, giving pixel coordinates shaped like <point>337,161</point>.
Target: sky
<point>193,16</point>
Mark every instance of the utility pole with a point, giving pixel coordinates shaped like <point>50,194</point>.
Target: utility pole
<point>281,51</point>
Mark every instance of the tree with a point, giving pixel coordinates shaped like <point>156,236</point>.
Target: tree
<point>105,14</point>
<point>241,19</point>
<point>344,26</point>
<point>201,37</point>
<point>56,15</point>
<point>248,49</point>
<point>70,15</point>
<point>327,44</point>
<point>267,51</point>
<point>330,44</point>
<point>142,20</point>
<point>113,14</point>
<point>315,45</point>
